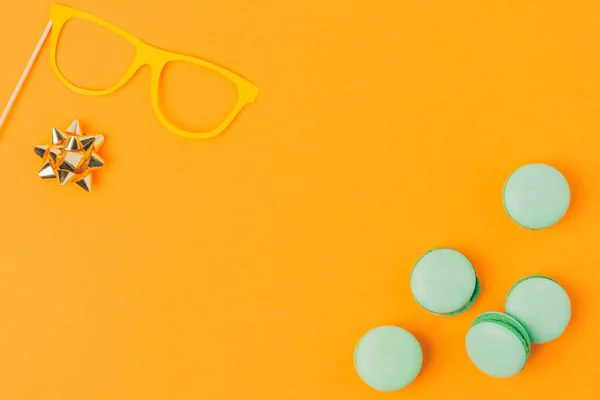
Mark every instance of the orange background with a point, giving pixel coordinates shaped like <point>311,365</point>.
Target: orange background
<point>248,266</point>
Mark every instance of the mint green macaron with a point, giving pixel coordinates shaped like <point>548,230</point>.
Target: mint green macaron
<point>444,282</point>
<point>498,344</point>
<point>388,358</point>
<point>541,305</point>
<point>536,196</point>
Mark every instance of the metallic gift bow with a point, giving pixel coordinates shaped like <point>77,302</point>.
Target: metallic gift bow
<point>72,156</point>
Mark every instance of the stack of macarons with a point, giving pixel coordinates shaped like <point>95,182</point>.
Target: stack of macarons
<point>538,310</point>
<point>443,281</point>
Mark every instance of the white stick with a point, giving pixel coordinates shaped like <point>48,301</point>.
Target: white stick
<point>25,74</point>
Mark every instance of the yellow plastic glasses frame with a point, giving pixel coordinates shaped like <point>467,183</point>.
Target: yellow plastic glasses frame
<point>157,59</point>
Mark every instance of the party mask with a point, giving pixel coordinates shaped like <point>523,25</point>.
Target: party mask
<point>145,54</point>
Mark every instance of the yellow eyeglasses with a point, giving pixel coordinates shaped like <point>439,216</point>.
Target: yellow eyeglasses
<point>157,59</point>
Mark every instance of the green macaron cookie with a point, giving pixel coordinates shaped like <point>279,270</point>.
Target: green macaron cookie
<point>536,196</point>
<point>541,305</point>
<point>388,358</point>
<point>498,344</point>
<point>443,282</point>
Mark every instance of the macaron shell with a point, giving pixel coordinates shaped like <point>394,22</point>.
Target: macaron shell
<point>443,281</point>
<point>536,196</point>
<point>508,322</point>
<point>388,358</point>
<point>541,305</point>
<point>469,304</point>
<point>495,350</point>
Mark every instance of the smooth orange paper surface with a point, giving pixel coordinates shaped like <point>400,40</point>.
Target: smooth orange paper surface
<point>247,266</point>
